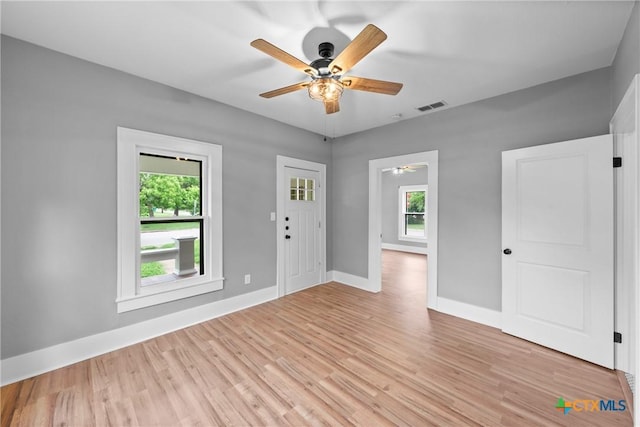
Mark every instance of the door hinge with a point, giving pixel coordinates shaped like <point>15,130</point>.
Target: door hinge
<point>617,337</point>
<point>617,162</point>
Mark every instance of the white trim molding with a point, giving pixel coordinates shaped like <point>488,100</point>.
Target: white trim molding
<point>350,280</point>
<point>474,313</point>
<point>131,144</point>
<point>405,248</point>
<point>47,359</point>
<point>624,126</point>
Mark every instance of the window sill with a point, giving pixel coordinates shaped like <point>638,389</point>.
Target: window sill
<point>413,239</point>
<point>140,301</point>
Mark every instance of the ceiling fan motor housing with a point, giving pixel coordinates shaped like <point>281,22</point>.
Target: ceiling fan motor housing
<point>325,50</point>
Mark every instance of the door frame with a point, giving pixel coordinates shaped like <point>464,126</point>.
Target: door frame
<point>283,162</point>
<point>429,158</point>
<point>627,234</point>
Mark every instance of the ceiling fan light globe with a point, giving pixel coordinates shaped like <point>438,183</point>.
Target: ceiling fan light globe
<point>325,89</point>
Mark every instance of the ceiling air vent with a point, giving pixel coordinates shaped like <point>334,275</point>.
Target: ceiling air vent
<point>432,106</point>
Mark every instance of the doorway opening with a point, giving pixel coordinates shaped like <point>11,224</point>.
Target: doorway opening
<point>415,230</point>
<point>404,275</point>
<point>404,222</point>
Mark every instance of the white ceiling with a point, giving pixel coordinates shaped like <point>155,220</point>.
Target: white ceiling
<point>454,51</point>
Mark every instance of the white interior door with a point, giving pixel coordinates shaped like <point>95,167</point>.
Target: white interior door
<point>557,235</point>
<point>302,229</point>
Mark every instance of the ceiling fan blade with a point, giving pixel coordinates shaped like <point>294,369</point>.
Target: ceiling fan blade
<point>283,56</point>
<point>283,90</point>
<point>360,46</point>
<point>371,85</point>
<point>331,107</point>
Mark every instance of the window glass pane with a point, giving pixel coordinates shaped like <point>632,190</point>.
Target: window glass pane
<point>414,225</point>
<point>415,201</point>
<point>169,187</point>
<point>169,251</point>
<point>302,189</point>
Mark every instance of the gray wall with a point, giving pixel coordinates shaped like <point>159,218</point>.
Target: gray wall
<point>627,60</point>
<point>59,190</point>
<point>470,139</point>
<point>390,203</point>
<point>59,187</point>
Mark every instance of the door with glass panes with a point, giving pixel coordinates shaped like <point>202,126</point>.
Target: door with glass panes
<point>302,230</point>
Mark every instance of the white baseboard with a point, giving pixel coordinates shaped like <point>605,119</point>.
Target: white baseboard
<point>47,359</point>
<point>474,313</point>
<point>466,311</point>
<point>405,248</point>
<point>349,279</point>
<point>304,288</point>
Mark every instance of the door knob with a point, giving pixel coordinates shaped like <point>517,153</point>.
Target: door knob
<point>286,236</point>
<point>507,251</point>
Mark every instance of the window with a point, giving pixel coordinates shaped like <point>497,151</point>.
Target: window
<point>169,218</point>
<point>171,227</point>
<point>412,225</point>
<point>303,189</point>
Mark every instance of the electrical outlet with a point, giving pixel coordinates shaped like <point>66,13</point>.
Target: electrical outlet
<point>247,279</point>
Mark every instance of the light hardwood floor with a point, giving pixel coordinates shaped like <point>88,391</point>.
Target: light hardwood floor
<point>330,355</point>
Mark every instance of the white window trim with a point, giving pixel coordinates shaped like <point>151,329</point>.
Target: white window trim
<point>402,190</point>
<point>130,144</point>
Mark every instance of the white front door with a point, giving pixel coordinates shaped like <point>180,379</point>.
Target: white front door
<point>302,229</point>
<point>557,236</point>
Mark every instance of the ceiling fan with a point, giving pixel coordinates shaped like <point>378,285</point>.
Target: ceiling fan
<point>327,74</point>
<point>402,169</point>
